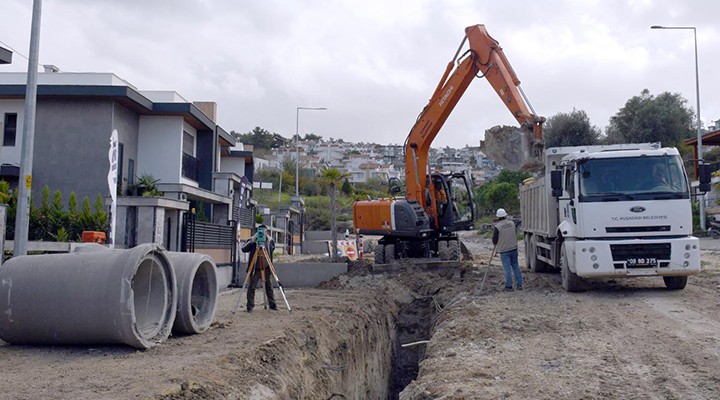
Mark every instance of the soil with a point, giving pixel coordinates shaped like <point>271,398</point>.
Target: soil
<point>629,339</point>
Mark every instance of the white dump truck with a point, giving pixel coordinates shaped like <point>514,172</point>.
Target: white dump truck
<point>610,211</point>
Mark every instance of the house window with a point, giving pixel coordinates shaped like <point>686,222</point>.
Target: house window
<point>121,154</point>
<point>189,163</point>
<point>188,144</point>
<point>10,130</point>
<point>131,172</point>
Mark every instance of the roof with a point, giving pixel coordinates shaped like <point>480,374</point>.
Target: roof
<point>110,87</point>
<point>708,139</point>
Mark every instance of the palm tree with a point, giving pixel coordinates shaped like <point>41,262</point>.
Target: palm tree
<point>333,177</point>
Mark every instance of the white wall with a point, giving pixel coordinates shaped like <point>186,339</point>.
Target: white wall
<point>12,154</point>
<point>65,78</point>
<point>233,164</point>
<point>160,147</point>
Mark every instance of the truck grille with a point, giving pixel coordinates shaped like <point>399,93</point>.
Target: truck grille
<point>657,251</point>
<point>635,229</point>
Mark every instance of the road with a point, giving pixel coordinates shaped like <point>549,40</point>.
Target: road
<point>622,339</point>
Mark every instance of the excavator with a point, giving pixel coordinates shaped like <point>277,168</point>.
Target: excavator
<point>436,205</point>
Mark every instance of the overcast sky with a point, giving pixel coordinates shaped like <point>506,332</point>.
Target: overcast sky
<point>375,63</point>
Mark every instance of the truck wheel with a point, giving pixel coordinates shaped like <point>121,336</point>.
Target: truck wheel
<point>380,254</point>
<point>570,281</point>
<point>443,250</point>
<point>531,259</point>
<point>453,250</point>
<point>675,282</point>
<point>389,253</point>
<point>529,254</point>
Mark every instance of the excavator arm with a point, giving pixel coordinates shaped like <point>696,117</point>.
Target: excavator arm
<point>484,56</point>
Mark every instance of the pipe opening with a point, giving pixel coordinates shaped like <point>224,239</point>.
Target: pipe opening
<point>203,294</point>
<point>150,297</point>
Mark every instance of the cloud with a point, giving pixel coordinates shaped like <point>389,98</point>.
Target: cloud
<point>372,63</point>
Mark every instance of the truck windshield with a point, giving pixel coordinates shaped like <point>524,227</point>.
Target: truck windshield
<point>637,178</point>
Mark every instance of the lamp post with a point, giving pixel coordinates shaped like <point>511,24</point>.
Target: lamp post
<point>297,145</point>
<point>701,197</point>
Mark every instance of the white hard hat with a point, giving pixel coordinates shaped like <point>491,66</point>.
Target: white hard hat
<point>501,213</point>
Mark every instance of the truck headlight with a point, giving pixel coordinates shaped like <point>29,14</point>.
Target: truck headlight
<point>593,257</point>
<point>687,255</point>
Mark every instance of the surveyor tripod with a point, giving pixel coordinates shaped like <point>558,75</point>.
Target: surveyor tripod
<point>261,250</point>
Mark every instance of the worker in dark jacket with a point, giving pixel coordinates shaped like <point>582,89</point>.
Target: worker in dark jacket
<point>251,246</point>
<point>505,241</point>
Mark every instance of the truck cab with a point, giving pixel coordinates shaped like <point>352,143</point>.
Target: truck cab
<point>621,211</point>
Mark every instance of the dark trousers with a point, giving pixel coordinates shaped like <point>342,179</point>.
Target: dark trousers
<point>254,278</point>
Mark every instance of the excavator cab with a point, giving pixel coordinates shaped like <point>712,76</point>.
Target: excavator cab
<point>453,202</point>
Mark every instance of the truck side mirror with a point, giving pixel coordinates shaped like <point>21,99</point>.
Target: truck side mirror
<point>704,177</point>
<point>556,183</point>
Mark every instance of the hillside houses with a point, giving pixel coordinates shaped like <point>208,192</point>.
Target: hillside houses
<point>370,161</point>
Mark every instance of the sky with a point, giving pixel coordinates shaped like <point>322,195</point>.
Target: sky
<point>375,63</point>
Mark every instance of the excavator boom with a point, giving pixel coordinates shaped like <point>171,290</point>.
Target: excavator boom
<point>484,56</point>
<point>437,205</point>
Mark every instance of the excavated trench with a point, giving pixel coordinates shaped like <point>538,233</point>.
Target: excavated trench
<point>412,332</point>
<point>368,350</point>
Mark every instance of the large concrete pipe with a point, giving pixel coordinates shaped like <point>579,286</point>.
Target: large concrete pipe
<point>197,291</point>
<point>93,297</point>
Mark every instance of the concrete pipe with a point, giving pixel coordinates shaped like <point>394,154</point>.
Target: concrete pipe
<point>95,297</point>
<point>197,291</point>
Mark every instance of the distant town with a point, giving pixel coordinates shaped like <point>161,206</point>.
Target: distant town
<point>363,162</point>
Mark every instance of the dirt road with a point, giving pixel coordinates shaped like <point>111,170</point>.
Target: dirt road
<point>623,339</point>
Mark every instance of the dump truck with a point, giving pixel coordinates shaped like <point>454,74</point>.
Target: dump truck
<point>610,211</point>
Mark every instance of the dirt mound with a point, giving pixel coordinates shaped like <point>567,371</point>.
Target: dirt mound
<point>509,146</point>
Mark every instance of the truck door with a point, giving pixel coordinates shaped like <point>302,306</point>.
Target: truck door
<point>566,201</point>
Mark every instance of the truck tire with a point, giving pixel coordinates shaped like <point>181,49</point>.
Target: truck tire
<point>443,250</point>
<point>389,253</point>
<point>453,249</point>
<point>529,254</point>
<point>531,259</point>
<point>379,254</point>
<point>675,282</point>
<point>570,281</point>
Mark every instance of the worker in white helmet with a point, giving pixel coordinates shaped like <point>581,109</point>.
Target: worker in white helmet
<point>505,241</point>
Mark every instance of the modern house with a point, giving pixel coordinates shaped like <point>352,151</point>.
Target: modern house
<point>205,178</point>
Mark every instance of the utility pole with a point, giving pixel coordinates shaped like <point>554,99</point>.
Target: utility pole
<point>22,219</point>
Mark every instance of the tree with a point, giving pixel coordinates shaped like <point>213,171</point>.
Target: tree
<point>501,192</point>
<point>333,177</point>
<point>647,118</point>
<point>312,137</point>
<point>347,188</point>
<point>570,129</point>
<point>260,138</point>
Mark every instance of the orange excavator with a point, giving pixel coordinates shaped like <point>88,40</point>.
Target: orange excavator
<point>436,205</point>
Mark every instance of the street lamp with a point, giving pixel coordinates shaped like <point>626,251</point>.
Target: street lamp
<point>297,145</point>
<point>701,200</point>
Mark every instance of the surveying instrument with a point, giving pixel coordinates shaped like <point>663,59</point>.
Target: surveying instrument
<point>261,251</point>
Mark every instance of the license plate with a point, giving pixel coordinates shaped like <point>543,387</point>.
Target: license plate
<point>642,262</point>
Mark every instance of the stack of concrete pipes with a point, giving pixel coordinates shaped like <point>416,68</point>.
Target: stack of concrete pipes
<point>100,296</point>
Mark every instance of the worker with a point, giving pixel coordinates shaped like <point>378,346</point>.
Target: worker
<point>505,241</point>
<point>660,177</point>
<point>440,197</point>
<point>251,246</point>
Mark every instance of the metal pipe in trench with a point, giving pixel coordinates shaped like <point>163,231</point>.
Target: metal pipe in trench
<point>197,291</point>
<point>92,297</point>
